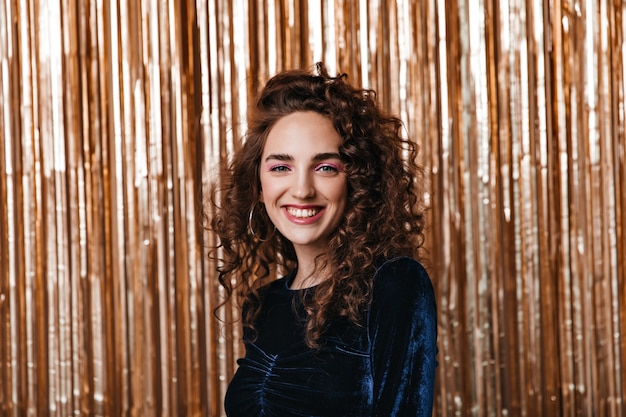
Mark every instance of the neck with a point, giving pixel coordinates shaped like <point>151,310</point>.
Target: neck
<point>311,266</point>
<point>311,271</point>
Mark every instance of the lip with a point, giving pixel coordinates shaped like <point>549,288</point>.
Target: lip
<point>303,221</point>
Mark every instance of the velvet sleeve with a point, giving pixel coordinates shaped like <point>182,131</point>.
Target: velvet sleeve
<point>402,326</point>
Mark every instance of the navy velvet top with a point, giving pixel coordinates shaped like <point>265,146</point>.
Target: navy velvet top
<point>384,368</point>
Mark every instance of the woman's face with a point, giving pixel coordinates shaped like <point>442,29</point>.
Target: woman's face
<point>303,183</point>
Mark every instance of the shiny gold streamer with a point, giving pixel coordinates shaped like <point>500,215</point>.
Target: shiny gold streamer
<point>115,116</point>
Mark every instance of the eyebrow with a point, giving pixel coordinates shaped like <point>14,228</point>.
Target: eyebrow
<point>318,157</point>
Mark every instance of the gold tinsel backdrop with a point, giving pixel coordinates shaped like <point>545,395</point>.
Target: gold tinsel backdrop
<point>113,118</point>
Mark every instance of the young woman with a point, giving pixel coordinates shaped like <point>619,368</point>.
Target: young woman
<point>325,189</point>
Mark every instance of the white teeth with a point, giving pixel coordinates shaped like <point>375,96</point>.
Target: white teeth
<point>302,213</point>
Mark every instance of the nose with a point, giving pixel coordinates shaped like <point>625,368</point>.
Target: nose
<point>303,186</point>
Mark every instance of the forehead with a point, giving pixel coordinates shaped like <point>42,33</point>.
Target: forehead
<point>302,133</point>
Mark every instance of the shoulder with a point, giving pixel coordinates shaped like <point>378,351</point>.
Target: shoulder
<point>402,277</point>
<point>403,297</point>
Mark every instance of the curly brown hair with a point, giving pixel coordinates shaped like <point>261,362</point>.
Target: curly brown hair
<point>384,216</point>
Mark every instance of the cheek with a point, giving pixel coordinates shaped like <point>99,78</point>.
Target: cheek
<point>339,192</point>
<point>267,191</point>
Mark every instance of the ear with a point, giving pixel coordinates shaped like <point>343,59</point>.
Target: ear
<point>261,196</point>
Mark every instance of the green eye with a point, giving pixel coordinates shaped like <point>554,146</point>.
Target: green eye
<point>327,168</point>
<point>279,168</point>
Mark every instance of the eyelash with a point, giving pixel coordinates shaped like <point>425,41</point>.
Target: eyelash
<point>322,167</point>
<point>279,168</point>
<point>325,168</point>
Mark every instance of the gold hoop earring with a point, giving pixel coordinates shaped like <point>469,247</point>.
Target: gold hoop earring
<point>252,230</point>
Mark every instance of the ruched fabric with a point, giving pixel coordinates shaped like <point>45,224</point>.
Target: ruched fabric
<point>386,367</point>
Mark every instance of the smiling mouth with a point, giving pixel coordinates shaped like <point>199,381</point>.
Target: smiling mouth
<point>302,213</point>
